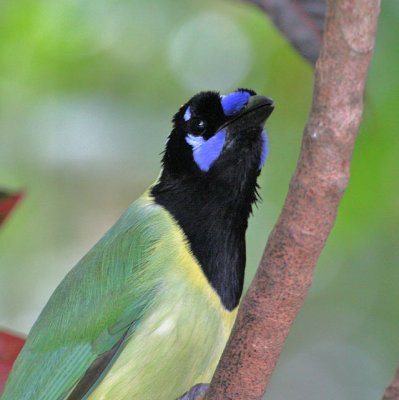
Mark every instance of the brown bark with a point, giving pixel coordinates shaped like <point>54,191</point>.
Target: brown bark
<point>392,391</point>
<point>286,269</point>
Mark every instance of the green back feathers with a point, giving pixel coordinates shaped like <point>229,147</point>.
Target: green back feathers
<point>102,297</point>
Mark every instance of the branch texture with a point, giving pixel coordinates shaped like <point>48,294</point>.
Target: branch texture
<point>286,269</point>
<point>392,392</point>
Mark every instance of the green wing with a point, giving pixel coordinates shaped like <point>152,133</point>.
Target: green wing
<point>93,310</point>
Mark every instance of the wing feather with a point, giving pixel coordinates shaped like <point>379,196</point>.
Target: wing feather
<point>84,323</point>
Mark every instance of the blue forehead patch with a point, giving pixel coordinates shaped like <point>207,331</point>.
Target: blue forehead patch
<point>187,114</point>
<point>233,102</point>
<point>205,152</point>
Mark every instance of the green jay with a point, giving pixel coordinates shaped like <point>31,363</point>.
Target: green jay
<point>146,313</point>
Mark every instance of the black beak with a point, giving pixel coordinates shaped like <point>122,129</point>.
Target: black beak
<point>262,105</point>
<point>255,113</point>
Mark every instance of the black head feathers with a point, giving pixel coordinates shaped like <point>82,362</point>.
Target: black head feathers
<point>211,162</point>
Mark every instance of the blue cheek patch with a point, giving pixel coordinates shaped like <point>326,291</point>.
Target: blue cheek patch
<point>205,152</point>
<point>233,102</point>
<point>187,114</point>
<point>265,149</point>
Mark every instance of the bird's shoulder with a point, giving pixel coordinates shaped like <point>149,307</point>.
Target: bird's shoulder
<point>116,276</point>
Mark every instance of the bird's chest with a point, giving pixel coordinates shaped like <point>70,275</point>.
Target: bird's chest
<point>177,345</point>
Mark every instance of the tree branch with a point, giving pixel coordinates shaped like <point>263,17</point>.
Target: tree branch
<point>286,269</point>
<point>392,391</point>
<point>300,21</point>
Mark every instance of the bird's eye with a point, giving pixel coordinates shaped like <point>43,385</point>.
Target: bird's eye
<point>197,126</point>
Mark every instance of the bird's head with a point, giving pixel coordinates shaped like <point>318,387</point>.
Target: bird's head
<point>219,135</point>
<point>211,163</point>
<point>212,159</point>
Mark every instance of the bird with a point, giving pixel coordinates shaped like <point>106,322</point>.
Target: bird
<point>147,312</point>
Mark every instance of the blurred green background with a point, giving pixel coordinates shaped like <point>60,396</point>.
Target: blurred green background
<point>87,91</point>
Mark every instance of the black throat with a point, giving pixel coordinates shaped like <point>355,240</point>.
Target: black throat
<point>213,214</point>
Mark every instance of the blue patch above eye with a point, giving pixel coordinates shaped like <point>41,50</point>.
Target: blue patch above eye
<point>187,114</point>
<point>265,149</point>
<point>205,152</point>
<point>233,102</point>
